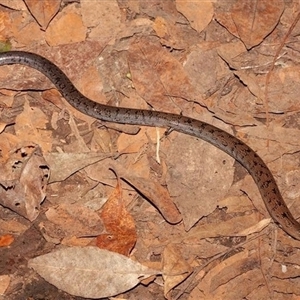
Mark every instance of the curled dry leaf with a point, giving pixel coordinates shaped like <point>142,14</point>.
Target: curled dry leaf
<point>154,192</point>
<point>151,189</point>
<point>256,228</point>
<point>236,226</point>
<point>90,272</point>
<point>23,180</point>
<point>226,271</point>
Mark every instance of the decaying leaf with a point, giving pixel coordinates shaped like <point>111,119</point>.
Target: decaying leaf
<point>201,179</point>
<point>236,226</point>
<point>72,219</point>
<point>63,165</point>
<point>119,224</point>
<point>254,20</point>
<point>31,125</point>
<point>90,272</point>
<point>23,181</point>
<point>43,11</point>
<point>4,283</point>
<point>230,272</point>
<point>6,240</point>
<point>150,188</point>
<point>199,13</point>
<point>176,268</point>
<point>154,192</point>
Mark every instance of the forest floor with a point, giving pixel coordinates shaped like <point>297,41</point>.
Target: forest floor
<point>187,219</point>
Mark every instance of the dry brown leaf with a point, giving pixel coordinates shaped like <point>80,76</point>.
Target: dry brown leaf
<point>101,172</point>
<point>256,228</point>
<point>282,90</point>
<point>251,82</point>
<point>229,52</point>
<point>224,18</point>
<point>30,33</point>
<point>105,28</point>
<point>249,79</point>
<point>286,288</point>
<point>170,34</point>
<point>15,4</point>
<point>31,125</point>
<point>150,188</point>
<point>206,76</point>
<point>66,28</point>
<point>78,145</point>
<point>9,113</point>
<point>175,268</point>
<point>12,226</point>
<point>254,20</point>
<point>43,11</point>
<point>73,220</point>
<point>233,278</point>
<point>91,85</point>
<point>2,126</point>
<point>236,204</point>
<point>231,268</point>
<point>199,175</point>
<point>155,76</point>
<point>136,142</point>
<point>154,192</point>
<point>271,143</point>
<point>287,270</point>
<point>119,224</point>
<point>232,227</point>
<point>160,26</point>
<point>198,13</point>
<point>63,165</point>
<point>90,272</point>
<point>23,181</point>
<point>77,242</point>
<point>4,283</point>
<point>12,78</point>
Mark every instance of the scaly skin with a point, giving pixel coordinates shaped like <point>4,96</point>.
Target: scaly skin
<point>217,137</point>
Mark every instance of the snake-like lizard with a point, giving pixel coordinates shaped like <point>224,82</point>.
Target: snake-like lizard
<point>262,176</point>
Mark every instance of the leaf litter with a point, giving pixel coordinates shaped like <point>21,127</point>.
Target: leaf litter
<point>232,64</point>
<point>74,269</point>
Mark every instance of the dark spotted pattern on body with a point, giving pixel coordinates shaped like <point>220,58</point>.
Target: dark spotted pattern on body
<point>217,137</point>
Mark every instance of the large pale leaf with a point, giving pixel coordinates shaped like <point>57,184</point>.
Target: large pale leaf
<point>90,272</point>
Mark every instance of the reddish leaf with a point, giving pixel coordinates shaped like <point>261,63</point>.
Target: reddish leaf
<point>119,224</point>
<point>6,240</point>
